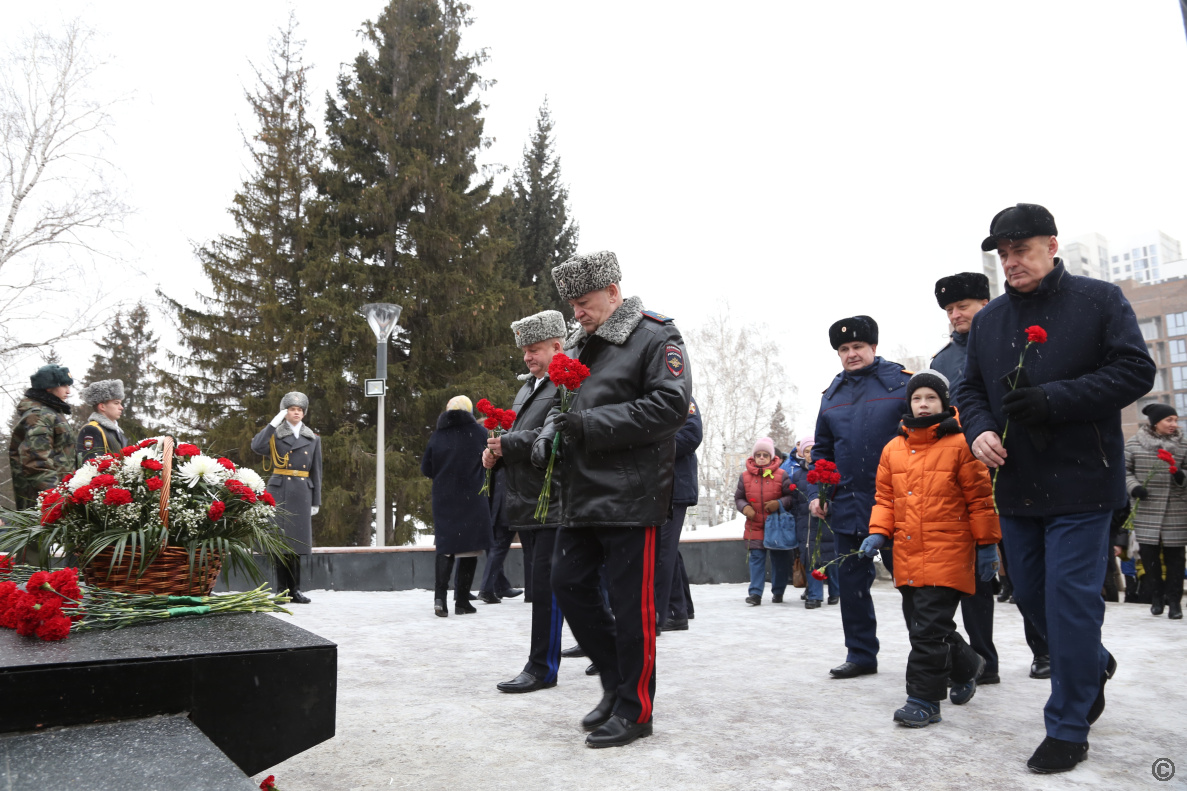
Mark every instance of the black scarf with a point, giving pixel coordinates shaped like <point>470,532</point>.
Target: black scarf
<point>49,399</point>
<point>947,419</point>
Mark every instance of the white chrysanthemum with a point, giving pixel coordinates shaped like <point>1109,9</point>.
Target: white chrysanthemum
<point>82,477</point>
<point>201,468</point>
<point>251,478</point>
<point>132,461</point>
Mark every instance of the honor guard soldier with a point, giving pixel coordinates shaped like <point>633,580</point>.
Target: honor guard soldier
<point>616,461</point>
<point>41,451</point>
<point>292,453</point>
<point>540,337</point>
<point>101,435</point>
<point>859,414</point>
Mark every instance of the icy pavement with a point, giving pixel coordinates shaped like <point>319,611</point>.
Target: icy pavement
<point>743,701</point>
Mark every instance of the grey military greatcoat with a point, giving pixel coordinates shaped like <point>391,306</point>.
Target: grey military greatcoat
<point>296,485</point>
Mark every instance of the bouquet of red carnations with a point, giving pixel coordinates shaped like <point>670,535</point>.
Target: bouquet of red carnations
<point>497,423</point>
<point>567,374</point>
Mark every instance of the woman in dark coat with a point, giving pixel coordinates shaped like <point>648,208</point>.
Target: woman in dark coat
<point>461,516</point>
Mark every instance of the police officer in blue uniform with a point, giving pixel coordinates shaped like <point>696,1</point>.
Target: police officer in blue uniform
<point>859,414</point>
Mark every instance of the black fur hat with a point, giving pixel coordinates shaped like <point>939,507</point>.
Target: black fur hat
<point>854,328</point>
<point>966,285</point>
<point>1019,222</point>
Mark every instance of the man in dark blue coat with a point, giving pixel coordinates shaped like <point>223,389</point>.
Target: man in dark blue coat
<point>1062,472</point>
<point>859,414</point>
<point>669,587</point>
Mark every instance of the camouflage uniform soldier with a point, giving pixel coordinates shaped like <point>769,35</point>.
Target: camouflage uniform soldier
<point>102,434</point>
<point>41,452</point>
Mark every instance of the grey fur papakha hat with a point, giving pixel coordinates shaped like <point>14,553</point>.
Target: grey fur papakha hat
<point>542,326</point>
<point>295,399</point>
<point>105,390</point>
<point>582,274</point>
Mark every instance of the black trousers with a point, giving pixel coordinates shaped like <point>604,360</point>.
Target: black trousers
<point>937,649</point>
<point>680,605</point>
<point>493,578</point>
<point>544,656</point>
<point>665,561</point>
<point>623,646</point>
<point>1172,588</point>
<point>527,541</point>
<point>977,613</point>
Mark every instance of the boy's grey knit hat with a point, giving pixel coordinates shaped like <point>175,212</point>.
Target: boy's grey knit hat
<point>103,390</point>
<point>582,274</point>
<point>542,326</point>
<point>295,399</point>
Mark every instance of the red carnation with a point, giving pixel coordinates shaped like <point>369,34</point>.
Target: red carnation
<point>268,498</point>
<point>1165,455</point>
<point>65,582</point>
<point>566,372</point>
<point>56,627</point>
<point>507,419</point>
<point>52,515</point>
<point>813,477</point>
<point>491,423</point>
<point>103,480</point>
<point>216,510</point>
<point>484,406</point>
<point>269,783</point>
<point>66,478</point>
<point>103,463</point>
<point>152,464</point>
<point>1036,334</point>
<point>85,494</point>
<point>128,451</point>
<point>117,496</point>
<point>819,574</point>
<point>793,487</point>
<point>5,563</point>
<point>227,464</point>
<point>145,443</point>
<point>49,497</point>
<point>186,449</point>
<point>154,484</point>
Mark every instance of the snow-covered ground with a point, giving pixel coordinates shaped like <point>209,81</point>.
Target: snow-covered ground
<point>744,701</point>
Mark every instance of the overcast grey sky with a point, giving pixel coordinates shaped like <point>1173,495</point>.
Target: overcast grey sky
<point>804,161</point>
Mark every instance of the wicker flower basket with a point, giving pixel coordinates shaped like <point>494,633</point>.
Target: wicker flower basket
<point>169,573</point>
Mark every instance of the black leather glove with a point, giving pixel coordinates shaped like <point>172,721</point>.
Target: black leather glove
<point>569,424</point>
<point>1140,493</point>
<point>1026,405</point>
<point>1179,477</point>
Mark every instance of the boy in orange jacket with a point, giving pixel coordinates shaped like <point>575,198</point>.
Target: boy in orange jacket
<point>935,501</point>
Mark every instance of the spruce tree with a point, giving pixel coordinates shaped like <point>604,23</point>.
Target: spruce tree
<point>780,432</point>
<point>544,234</point>
<point>415,223</point>
<point>126,353</point>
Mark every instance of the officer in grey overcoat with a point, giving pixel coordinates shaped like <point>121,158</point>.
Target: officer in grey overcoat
<point>292,453</point>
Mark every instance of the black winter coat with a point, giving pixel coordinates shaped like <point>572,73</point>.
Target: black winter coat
<point>1093,364</point>
<point>453,459</point>
<point>950,362</point>
<point>523,482</point>
<point>685,491</point>
<point>635,400</point>
<point>97,439</point>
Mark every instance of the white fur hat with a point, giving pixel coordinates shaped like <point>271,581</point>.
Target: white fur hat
<point>295,399</point>
<point>582,274</point>
<point>104,390</point>
<point>542,326</point>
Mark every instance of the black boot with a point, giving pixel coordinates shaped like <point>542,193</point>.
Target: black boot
<point>284,584</point>
<point>441,585</point>
<point>295,578</point>
<point>1174,609</point>
<point>465,578</point>
<point>1156,604</point>
<point>1007,589</point>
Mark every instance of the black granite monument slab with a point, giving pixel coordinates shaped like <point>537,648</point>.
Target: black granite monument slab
<point>261,689</point>
<point>132,755</point>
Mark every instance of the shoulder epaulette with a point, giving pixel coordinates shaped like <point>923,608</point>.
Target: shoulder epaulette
<point>909,373</point>
<point>654,316</point>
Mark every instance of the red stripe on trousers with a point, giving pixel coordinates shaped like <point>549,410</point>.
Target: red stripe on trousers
<point>648,611</point>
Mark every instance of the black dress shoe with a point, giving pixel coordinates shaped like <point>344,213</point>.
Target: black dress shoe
<point>511,593</point>
<point>440,608</point>
<point>573,653</point>
<point>463,608</point>
<point>1007,590</point>
<point>754,601</point>
<point>812,604</point>
<point>524,682</point>
<point>675,625</point>
<point>1174,610</point>
<point>618,731</point>
<point>804,596</point>
<point>527,599</point>
<point>776,598</point>
<point>1056,755</point>
<point>1098,705</point>
<point>1156,608</point>
<point>297,597</point>
<point>601,712</point>
<point>1041,667</point>
<point>852,670</point>
<point>592,670</point>
<point>489,598</point>
<point>833,599</point>
<point>471,595</point>
<point>988,678</point>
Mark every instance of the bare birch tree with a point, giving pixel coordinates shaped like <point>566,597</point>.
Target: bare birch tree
<point>56,197</point>
<point>738,380</point>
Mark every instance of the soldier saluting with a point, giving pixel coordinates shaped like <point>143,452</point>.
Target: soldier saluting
<point>292,453</point>
<point>617,466</point>
<point>41,451</point>
<point>101,434</point>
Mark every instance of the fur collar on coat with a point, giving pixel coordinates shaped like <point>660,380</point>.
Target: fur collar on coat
<point>103,421</point>
<point>615,329</point>
<point>454,417</point>
<point>1153,442</point>
<point>286,430</point>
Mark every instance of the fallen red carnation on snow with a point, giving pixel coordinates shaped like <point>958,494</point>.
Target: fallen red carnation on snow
<point>269,783</point>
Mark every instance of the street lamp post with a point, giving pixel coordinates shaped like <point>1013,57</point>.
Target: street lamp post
<point>382,316</point>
